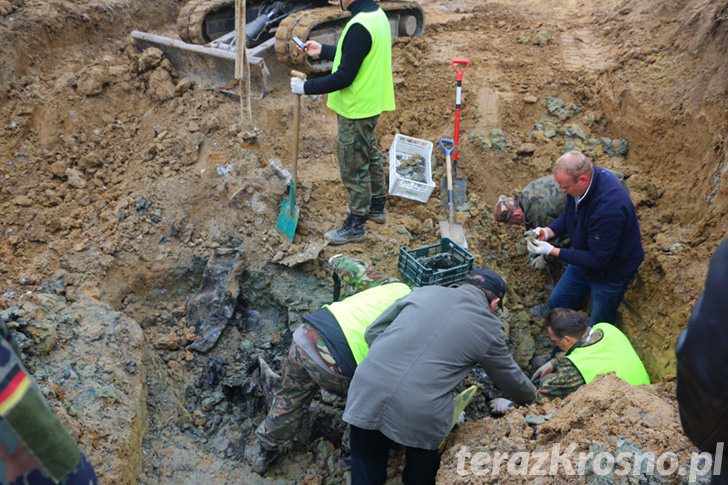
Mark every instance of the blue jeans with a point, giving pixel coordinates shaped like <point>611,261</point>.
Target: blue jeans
<point>605,296</point>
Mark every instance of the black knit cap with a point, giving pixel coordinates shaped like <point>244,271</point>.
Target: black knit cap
<point>487,279</point>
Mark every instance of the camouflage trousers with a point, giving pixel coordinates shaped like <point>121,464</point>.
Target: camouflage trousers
<point>302,377</point>
<point>361,163</point>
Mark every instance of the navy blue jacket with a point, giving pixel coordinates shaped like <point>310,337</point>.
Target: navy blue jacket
<point>702,363</point>
<point>604,231</point>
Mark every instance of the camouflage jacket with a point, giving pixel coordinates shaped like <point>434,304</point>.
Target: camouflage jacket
<point>356,275</point>
<point>565,378</point>
<point>542,201</point>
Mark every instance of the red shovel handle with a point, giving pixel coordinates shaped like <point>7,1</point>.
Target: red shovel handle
<point>459,65</point>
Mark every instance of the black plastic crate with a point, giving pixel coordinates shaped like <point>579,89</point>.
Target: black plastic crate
<point>444,263</point>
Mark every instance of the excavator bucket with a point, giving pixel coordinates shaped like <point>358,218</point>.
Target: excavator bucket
<point>209,66</point>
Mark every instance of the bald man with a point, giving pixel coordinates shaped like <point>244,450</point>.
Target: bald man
<point>601,222</point>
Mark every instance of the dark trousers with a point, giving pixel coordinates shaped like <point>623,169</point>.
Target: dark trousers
<point>369,455</point>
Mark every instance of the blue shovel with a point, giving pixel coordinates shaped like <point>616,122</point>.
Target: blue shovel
<point>288,215</point>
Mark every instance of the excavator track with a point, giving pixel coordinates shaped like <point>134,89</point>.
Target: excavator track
<point>326,24</point>
<point>194,24</point>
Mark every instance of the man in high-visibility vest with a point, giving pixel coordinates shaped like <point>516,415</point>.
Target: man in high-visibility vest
<point>360,88</point>
<point>588,352</point>
<point>324,353</point>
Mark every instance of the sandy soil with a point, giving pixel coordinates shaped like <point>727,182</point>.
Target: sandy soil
<point>109,158</point>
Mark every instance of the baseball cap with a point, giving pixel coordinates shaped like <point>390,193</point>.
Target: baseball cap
<point>488,279</point>
<point>503,210</point>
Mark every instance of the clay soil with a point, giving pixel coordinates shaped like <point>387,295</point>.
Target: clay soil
<point>116,171</point>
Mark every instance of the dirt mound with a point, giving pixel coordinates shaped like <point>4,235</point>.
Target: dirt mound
<point>607,416</point>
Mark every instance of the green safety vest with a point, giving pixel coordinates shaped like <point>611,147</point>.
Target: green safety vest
<point>373,89</point>
<point>358,311</point>
<point>613,353</point>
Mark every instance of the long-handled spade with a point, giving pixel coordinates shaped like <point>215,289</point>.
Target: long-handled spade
<point>288,215</point>
<point>459,184</point>
<point>449,229</point>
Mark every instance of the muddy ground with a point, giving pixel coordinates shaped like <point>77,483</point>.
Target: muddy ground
<point>121,181</point>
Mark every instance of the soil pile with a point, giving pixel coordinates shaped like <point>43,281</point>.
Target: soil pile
<point>607,416</point>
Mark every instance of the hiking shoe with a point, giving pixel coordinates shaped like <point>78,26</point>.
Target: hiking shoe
<point>352,230</point>
<point>258,457</point>
<point>377,213</point>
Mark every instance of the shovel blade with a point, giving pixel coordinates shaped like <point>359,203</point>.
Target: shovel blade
<point>288,218</point>
<point>453,232</point>
<point>460,193</point>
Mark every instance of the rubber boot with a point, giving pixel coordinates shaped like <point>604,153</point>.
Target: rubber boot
<point>352,230</point>
<point>377,213</point>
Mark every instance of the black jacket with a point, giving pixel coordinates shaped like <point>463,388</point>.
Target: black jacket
<point>702,361</point>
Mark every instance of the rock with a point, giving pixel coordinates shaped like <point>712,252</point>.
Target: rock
<point>541,38</point>
<point>101,405</point>
<point>167,341</point>
<point>91,81</point>
<point>537,419</point>
<point>142,204</point>
<point>75,179</point>
<point>58,169</point>
<point>22,201</point>
<point>150,59</point>
<point>615,148</point>
<point>526,149</point>
<point>575,131</point>
<point>560,109</point>
<point>498,139</point>
<point>530,99</point>
<point>183,86</point>
<point>91,162</point>
<point>161,87</point>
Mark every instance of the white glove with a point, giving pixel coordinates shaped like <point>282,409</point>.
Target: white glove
<point>537,233</point>
<point>537,262</point>
<point>499,405</point>
<point>539,247</point>
<point>297,85</point>
<point>543,371</point>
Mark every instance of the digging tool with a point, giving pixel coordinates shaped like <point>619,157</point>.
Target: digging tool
<point>288,215</point>
<point>459,184</point>
<point>448,228</point>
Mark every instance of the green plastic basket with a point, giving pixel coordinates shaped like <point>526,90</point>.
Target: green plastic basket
<point>444,263</point>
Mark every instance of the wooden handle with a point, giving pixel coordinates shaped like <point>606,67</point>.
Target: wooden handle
<point>298,74</point>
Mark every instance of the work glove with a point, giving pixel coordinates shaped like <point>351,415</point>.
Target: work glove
<point>499,405</point>
<point>297,85</point>
<point>539,247</point>
<point>541,233</point>
<point>538,262</point>
<point>543,371</point>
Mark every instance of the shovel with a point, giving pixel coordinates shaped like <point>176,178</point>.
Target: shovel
<point>288,215</point>
<point>459,184</point>
<point>448,229</point>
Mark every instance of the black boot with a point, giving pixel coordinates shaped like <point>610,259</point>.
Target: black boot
<point>377,213</point>
<point>352,230</point>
